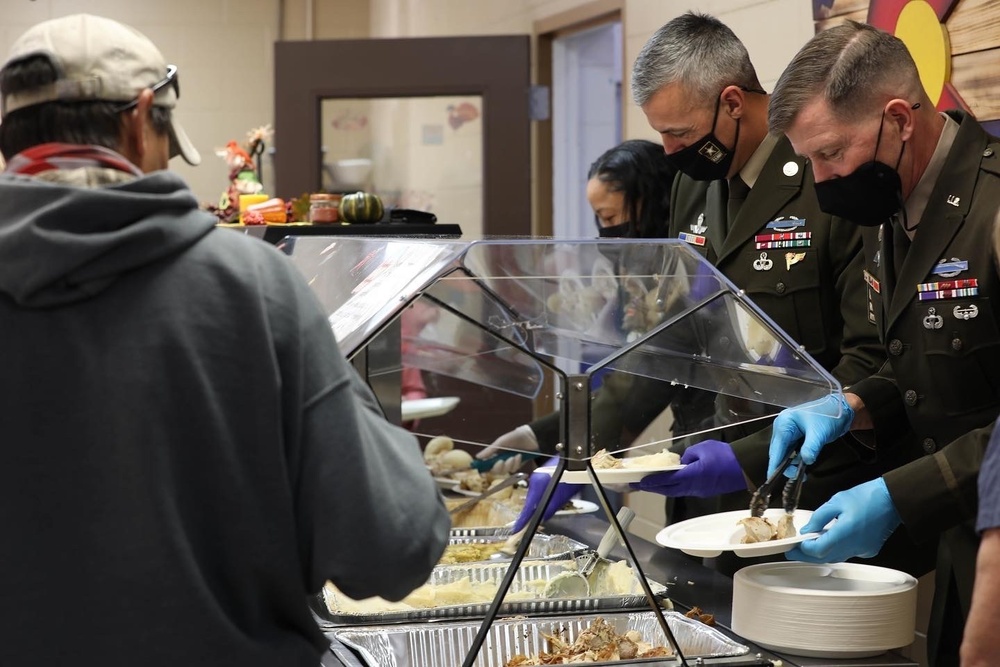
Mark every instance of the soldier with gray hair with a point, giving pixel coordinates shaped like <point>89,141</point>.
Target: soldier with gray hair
<point>925,188</point>
<point>741,195</point>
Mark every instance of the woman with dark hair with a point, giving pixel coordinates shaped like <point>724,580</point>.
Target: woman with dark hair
<point>629,189</point>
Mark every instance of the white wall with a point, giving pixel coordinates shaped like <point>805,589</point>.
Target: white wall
<point>224,53</point>
<point>773,30</point>
<point>224,48</point>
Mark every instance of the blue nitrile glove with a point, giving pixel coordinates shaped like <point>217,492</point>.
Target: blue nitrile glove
<point>817,423</point>
<point>712,469</point>
<point>536,487</point>
<point>866,517</point>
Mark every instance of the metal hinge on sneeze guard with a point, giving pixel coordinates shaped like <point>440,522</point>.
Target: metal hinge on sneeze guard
<point>577,423</point>
<point>539,103</point>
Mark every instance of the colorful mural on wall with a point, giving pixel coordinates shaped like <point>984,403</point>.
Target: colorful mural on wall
<point>955,44</point>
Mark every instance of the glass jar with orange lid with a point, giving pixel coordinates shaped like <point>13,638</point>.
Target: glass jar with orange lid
<point>323,208</point>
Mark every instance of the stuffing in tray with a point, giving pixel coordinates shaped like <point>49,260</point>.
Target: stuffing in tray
<point>468,553</point>
<point>699,615</point>
<point>598,643</point>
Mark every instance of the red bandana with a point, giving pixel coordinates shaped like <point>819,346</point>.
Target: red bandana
<point>48,157</point>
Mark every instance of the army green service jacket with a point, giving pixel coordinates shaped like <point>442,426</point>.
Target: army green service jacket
<point>812,292</point>
<point>940,324</point>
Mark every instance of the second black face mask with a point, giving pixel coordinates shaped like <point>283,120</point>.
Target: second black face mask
<point>868,196</point>
<point>707,159</point>
<point>623,230</point>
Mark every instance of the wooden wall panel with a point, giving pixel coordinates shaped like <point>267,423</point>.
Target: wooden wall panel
<point>824,9</point>
<point>858,15</point>
<point>974,34</point>
<point>974,25</point>
<point>976,76</point>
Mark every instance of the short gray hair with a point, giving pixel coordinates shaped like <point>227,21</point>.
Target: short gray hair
<point>854,66</point>
<point>699,51</point>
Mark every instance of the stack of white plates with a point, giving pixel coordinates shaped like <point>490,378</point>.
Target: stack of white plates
<point>840,610</point>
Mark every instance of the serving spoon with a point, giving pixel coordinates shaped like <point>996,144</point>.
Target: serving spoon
<point>574,584</point>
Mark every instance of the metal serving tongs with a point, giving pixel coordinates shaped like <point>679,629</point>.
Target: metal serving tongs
<point>510,481</point>
<point>790,493</point>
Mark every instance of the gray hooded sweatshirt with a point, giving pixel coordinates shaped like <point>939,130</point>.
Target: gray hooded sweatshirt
<point>185,455</point>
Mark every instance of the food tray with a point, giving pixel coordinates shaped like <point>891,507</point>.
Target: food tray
<point>446,644</point>
<point>332,610</point>
<point>487,517</point>
<point>542,547</point>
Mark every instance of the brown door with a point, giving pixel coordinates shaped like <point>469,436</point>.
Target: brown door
<point>437,124</point>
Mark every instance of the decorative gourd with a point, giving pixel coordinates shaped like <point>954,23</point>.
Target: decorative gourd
<point>361,207</point>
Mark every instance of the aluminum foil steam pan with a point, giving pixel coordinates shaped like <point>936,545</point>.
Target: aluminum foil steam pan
<point>542,547</point>
<point>487,517</point>
<point>446,644</point>
<point>333,609</point>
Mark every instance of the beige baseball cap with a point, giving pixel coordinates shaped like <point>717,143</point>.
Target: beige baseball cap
<point>102,60</point>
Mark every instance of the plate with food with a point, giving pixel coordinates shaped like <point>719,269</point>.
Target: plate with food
<point>425,408</point>
<point>578,506</point>
<point>708,536</point>
<point>611,469</point>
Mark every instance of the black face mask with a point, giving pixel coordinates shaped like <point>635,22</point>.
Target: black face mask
<point>620,231</point>
<point>707,159</point>
<point>869,195</point>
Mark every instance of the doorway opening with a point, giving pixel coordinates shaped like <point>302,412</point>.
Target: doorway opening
<point>586,119</point>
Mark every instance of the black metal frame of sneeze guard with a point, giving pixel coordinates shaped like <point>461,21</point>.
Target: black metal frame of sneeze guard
<point>575,403</point>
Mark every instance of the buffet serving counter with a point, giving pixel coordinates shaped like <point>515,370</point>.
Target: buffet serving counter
<point>690,584</point>
<point>601,337</point>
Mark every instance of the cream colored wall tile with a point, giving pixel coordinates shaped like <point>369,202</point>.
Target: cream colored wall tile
<point>462,206</point>
<point>17,17</point>
<point>175,12</point>
<point>341,19</point>
<point>790,19</point>
<point>650,514</point>
<point>644,17</point>
<point>257,11</point>
<point>224,53</point>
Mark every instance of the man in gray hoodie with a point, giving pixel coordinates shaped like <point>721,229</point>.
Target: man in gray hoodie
<point>186,455</point>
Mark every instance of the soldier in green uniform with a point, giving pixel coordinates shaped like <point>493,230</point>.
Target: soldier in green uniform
<point>925,186</point>
<point>696,84</point>
<point>746,202</point>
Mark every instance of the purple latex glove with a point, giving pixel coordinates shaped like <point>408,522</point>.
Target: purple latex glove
<point>712,469</point>
<point>536,488</point>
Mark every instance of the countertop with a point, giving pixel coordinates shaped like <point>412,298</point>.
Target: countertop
<point>690,584</point>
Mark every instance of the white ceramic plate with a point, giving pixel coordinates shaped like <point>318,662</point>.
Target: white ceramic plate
<point>424,408</point>
<point>610,475</point>
<point>579,507</point>
<point>708,536</point>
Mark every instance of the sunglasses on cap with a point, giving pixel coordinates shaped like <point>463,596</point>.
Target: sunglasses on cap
<point>170,79</point>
